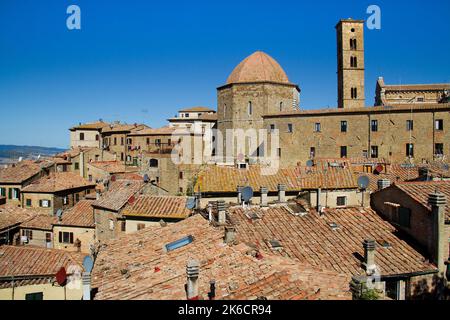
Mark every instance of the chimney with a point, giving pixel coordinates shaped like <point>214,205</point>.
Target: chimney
<point>230,235</point>
<point>369,256</point>
<point>437,201</point>
<point>212,290</point>
<point>210,212</point>
<point>281,193</point>
<point>222,216</point>
<point>319,206</point>
<point>264,192</point>
<point>86,280</point>
<point>97,194</point>
<point>239,194</point>
<point>82,164</point>
<point>198,196</point>
<point>383,184</point>
<point>192,271</point>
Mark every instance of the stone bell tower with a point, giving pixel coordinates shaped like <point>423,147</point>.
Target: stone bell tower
<point>350,54</point>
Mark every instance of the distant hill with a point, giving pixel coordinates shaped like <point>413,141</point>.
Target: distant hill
<point>10,153</point>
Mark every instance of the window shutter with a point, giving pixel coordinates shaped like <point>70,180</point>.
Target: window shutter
<point>9,193</point>
<point>71,237</point>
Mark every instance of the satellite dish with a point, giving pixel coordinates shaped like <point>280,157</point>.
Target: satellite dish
<point>247,194</point>
<point>39,157</point>
<point>363,182</point>
<point>20,159</point>
<point>61,276</point>
<point>146,178</point>
<point>88,264</point>
<point>310,163</point>
<point>59,214</point>
<point>190,203</point>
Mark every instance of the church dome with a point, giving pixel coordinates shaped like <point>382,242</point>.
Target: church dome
<point>258,67</point>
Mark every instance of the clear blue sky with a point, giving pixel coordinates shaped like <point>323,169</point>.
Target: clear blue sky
<point>140,61</point>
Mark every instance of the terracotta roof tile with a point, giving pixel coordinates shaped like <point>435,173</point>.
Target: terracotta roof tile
<point>80,215</point>
<point>197,109</point>
<point>58,181</point>
<point>41,222</point>
<point>20,172</point>
<point>109,166</point>
<point>34,261</point>
<point>158,207</point>
<point>419,191</point>
<point>135,266</point>
<point>218,179</point>
<point>91,126</point>
<point>312,239</point>
<point>120,191</point>
<point>11,216</point>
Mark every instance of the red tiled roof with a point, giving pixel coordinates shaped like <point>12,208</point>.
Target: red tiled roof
<point>197,109</point>
<point>20,172</point>
<point>41,222</point>
<point>226,179</point>
<point>123,128</point>
<point>80,215</point>
<point>11,216</point>
<point>34,261</point>
<point>311,239</point>
<point>109,166</point>
<point>135,267</point>
<point>158,207</point>
<point>58,181</point>
<point>90,126</point>
<point>419,191</point>
<point>119,193</point>
<point>154,132</point>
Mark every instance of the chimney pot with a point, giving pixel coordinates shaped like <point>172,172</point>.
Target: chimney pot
<point>230,235</point>
<point>192,273</point>
<point>369,255</point>
<point>264,192</point>
<point>281,193</point>
<point>221,212</point>
<point>239,194</point>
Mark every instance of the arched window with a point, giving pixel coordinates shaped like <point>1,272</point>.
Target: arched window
<point>250,108</point>
<point>353,62</point>
<point>281,106</point>
<point>153,163</point>
<point>353,44</point>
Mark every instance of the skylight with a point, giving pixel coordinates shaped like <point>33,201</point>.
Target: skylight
<point>179,243</point>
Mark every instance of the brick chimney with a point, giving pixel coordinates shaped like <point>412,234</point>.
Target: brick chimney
<point>192,272</point>
<point>222,216</point>
<point>281,193</point>
<point>264,192</point>
<point>369,256</point>
<point>383,184</point>
<point>239,194</point>
<point>437,201</point>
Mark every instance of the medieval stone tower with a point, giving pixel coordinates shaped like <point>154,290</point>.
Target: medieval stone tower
<point>350,53</point>
<point>257,86</point>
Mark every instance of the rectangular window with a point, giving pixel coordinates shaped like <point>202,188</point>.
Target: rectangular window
<point>3,192</point>
<point>140,226</point>
<point>34,296</point>
<point>290,128</point>
<point>65,237</point>
<point>97,137</point>
<point>404,217</point>
<point>122,141</point>
<point>374,125</point>
<point>77,197</point>
<point>123,226</point>
<point>122,156</point>
<point>410,150</point>
<point>343,126</point>
<point>439,125</point>
<point>317,127</point>
<point>44,203</point>
<point>374,152</point>
<point>48,237</point>
<point>341,201</point>
<point>279,152</point>
<point>77,166</point>
<point>180,175</point>
<point>272,128</point>
<point>28,234</point>
<point>115,141</point>
<point>409,125</point>
<point>81,136</point>
<point>28,202</point>
<point>344,152</point>
<point>250,108</point>
<point>158,142</point>
<point>312,152</point>
<point>439,149</point>
<point>66,198</point>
